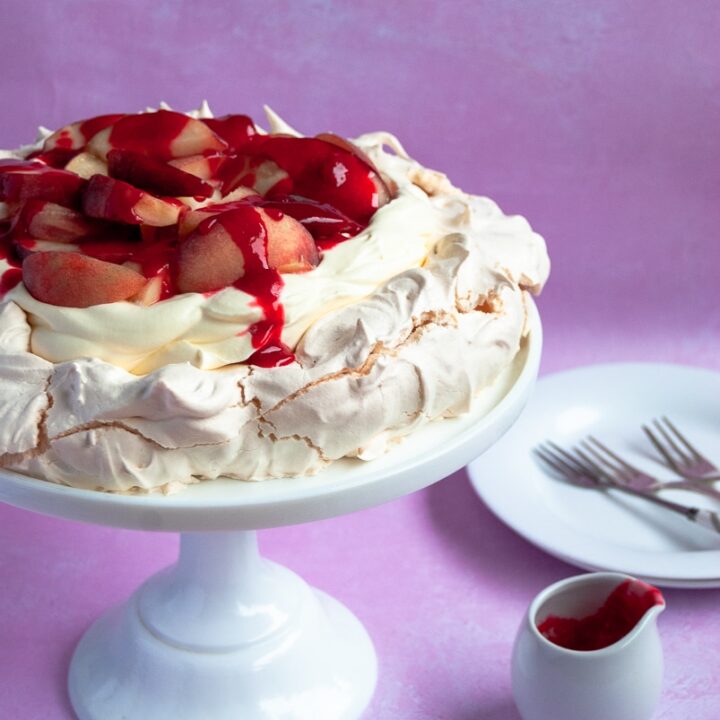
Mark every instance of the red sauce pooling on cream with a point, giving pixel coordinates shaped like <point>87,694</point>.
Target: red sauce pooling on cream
<point>619,614</point>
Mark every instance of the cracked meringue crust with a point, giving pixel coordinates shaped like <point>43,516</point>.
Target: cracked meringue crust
<point>399,326</point>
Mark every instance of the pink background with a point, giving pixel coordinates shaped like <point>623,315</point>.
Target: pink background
<point>599,121</point>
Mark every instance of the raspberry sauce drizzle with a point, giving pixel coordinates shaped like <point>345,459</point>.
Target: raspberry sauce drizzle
<point>235,130</point>
<point>317,169</point>
<point>326,224</point>
<point>248,231</point>
<point>12,275</point>
<point>618,615</point>
<point>153,133</point>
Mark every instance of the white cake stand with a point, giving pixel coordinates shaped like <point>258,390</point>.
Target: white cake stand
<point>226,634</point>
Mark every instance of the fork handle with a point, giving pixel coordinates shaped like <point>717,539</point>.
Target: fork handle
<point>689,485</point>
<point>708,519</point>
<point>705,518</point>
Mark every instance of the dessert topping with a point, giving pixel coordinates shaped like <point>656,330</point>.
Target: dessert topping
<point>140,207</point>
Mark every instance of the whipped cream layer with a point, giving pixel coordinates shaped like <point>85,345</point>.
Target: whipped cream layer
<point>403,324</point>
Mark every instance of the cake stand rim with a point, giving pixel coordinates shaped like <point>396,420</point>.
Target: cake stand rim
<point>258,505</point>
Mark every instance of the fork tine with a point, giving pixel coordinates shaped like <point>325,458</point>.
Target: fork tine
<point>568,472</point>
<point>556,463</point>
<point>684,459</point>
<point>598,470</point>
<point>669,459</point>
<point>695,453</point>
<point>549,455</point>
<point>550,460</point>
<point>616,469</point>
<point>579,467</point>
<point>614,456</point>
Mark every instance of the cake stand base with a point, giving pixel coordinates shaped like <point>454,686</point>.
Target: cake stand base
<point>224,634</point>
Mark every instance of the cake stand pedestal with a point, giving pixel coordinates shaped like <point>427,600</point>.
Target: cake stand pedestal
<point>224,634</point>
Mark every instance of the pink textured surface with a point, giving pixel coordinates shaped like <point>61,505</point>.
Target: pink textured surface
<point>599,122</point>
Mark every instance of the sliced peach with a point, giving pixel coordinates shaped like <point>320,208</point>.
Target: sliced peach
<point>208,261</point>
<point>190,220</point>
<point>155,176</point>
<point>86,165</point>
<point>49,221</point>
<point>163,134</point>
<point>203,166</point>
<point>290,247</point>
<point>151,293</point>
<point>36,181</point>
<point>234,129</point>
<point>76,135</point>
<point>260,174</point>
<point>25,246</point>
<point>111,199</point>
<point>347,183</point>
<point>350,147</point>
<point>324,222</point>
<point>383,191</point>
<point>73,280</point>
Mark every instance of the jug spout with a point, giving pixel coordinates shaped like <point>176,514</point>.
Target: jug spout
<point>624,611</point>
<point>648,598</point>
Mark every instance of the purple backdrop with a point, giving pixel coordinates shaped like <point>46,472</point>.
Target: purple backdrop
<point>598,121</point>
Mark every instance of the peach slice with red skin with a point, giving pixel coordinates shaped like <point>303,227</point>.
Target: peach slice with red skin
<point>213,256</point>
<point>204,167</point>
<point>155,176</point>
<point>345,144</point>
<point>384,194</point>
<point>26,246</point>
<point>208,261</point>
<point>74,280</point>
<point>290,247</point>
<point>49,221</point>
<point>260,174</point>
<point>86,165</point>
<point>163,134</point>
<point>23,180</point>
<point>151,293</point>
<point>76,135</point>
<point>190,220</point>
<point>110,199</point>
<point>234,129</point>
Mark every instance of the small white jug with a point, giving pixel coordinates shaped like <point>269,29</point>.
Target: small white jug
<point>619,682</point>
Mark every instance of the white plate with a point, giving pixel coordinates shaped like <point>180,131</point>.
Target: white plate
<point>599,531</point>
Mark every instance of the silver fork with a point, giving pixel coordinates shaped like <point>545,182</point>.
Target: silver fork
<point>678,454</point>
<point>578,468</point>
<point>636,478</point>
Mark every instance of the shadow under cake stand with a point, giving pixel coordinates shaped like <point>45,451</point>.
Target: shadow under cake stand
<point>226,634</point>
